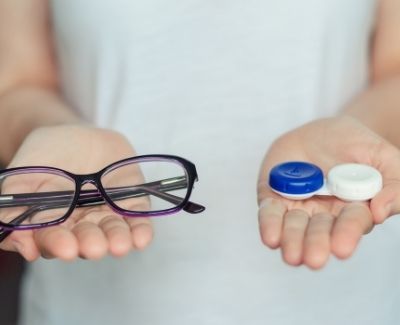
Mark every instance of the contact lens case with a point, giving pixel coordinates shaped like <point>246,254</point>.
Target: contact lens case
<point>299,180</point>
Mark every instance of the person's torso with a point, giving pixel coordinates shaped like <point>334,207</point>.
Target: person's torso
<point>215,81</point>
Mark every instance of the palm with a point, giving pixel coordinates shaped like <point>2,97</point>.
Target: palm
<point>308,231</point>
<point>90,232</point>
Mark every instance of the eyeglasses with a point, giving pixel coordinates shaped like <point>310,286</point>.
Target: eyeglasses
<point>141,186</point>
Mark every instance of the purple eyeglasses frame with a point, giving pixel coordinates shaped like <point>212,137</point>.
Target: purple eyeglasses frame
<point>99,196</point>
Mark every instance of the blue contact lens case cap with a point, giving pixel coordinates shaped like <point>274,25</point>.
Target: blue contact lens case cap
<point>296,178</point>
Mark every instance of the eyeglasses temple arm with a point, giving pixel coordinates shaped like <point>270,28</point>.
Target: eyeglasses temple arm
<point>159,190</point>
<point>93,197</point>
<point>4,233</point>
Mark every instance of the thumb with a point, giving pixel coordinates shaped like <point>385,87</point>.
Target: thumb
<point>387,202</point>
<point>19,242</point>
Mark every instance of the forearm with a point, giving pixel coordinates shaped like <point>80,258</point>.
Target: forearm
<point>24,109</point>
<point>379,109</point>
<point>28,74</point>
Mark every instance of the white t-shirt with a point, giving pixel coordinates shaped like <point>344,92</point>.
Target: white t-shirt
<point>215,81</point>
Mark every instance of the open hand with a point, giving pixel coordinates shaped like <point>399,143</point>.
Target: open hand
<point>309,231</point>
<point>91,232</point>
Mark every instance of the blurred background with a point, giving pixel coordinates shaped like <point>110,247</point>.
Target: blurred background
<point>11,269</point>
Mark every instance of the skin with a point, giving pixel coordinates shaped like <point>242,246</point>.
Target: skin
<point>90,232</point>
<point>308,232</point>
<point>35,120</point>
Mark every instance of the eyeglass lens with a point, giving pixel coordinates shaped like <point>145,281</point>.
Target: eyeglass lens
<point>146,185</point>
<point>32,198</point>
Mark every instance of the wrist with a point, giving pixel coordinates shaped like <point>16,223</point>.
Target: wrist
<point>377,109</point>
<point>69,144</point>
<point>26,109</point>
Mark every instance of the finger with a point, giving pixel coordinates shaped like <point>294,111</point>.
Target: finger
<point>387,202</point>
<point>22,242</point>
<point>56,242</point>
<point>317,247</point>
<point>294,227</point>
<point>141,232</point>
<point>354,220</point>
<point>270,220</point>
<point>92,243</point>
<point>118,234</point>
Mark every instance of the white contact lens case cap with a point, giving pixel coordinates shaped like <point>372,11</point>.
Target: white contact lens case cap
<point>354,182</point>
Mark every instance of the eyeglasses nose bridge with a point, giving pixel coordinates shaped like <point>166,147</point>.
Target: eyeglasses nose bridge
<point>88,179</point>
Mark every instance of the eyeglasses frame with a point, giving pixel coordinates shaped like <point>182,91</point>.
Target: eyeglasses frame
<point>95,179</point>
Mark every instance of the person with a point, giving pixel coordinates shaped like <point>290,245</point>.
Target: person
<point>86,83</point>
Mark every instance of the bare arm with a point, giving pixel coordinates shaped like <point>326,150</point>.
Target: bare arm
<point>309,231</point>
<point>379,106</point>
<point>29,95</point>
<point>29,101</point>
